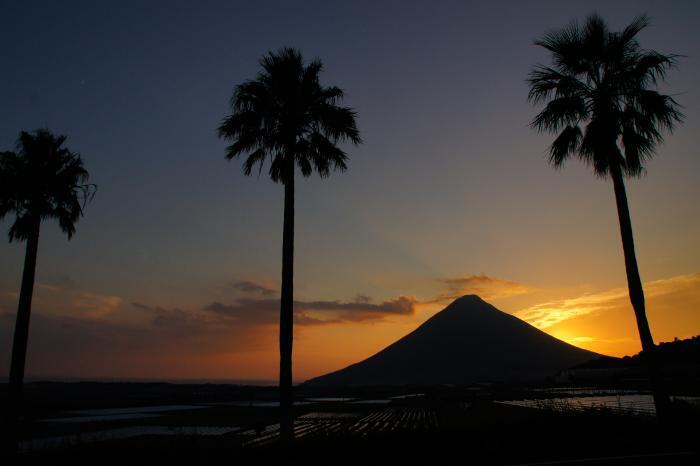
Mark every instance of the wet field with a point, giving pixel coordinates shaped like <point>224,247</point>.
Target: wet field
<point>447,426</point>
<point>621,403</point>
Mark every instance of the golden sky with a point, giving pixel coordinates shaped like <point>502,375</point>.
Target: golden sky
<point>102,336</point>
<point>601,321</point>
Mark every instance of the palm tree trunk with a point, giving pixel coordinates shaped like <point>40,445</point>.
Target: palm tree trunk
<point>21,337</point>
<point>287,312</point>
<point>636,292</point>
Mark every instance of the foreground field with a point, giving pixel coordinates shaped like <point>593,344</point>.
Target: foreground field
<point>446,426</point>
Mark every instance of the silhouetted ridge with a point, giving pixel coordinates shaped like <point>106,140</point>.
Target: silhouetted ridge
<point>468,341</point>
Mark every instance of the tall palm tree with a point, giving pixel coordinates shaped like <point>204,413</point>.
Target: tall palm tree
<point>605,83</point>
<point>42,180</point>
<point>286,115</point>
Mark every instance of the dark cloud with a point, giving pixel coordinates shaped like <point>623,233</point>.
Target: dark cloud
<point>248,286</point>
<point>308,312</point>
<point>401,305</point>
<point>482,285</point>
<point>142,306</point>
<point>248,311</point>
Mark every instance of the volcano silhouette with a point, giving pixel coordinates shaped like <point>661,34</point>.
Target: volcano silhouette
<point>468,341</point>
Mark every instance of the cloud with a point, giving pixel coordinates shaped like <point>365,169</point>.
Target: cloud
<point>551,313</point>
<point>249,323</point>
<point>66,282</point>
<point>249,286</point>
<point>94,305</point>
<point>576,340</point>
<point>175,343</point>
<point>64,299</point>
<point>483,285</point>
<point>403,305</point>
<point>181,321</point>
<point>167,341</point>
<point>263,311</point>
<point>142,306</point>
<point>8,301</point>
<point>547,314</point>
<point>363,310</point>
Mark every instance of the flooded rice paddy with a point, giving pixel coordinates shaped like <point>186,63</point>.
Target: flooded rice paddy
<point>625,403</point>
<point>325,417</point>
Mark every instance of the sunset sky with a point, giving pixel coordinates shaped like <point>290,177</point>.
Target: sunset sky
<point>174,272</point>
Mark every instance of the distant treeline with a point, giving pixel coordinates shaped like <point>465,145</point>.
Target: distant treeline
<point>686,351</point>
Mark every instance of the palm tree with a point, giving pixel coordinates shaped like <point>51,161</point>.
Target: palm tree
<point>606,83</point>
<point>42,180</point>
<point>285,115</point>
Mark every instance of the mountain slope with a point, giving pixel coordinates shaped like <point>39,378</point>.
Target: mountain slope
<point>468,341</point>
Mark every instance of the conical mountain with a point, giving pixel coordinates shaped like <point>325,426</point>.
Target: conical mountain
<point>468,341</point>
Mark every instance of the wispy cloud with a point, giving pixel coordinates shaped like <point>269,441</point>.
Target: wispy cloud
<point>252,287</point>
<point>169,340</point>
<point>65,299</point>
<point>576,340</point>
<point>547,314</point>
<point>177,319</point>
<point>174,342</point>
<point>94,305</point>
<point>483,285</point>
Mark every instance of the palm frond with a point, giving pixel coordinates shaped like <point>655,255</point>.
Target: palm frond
<point>560,112</point>
<point>649,68</point>
<point>546,82</point>
<point>595,38</point>
<point>286,115</point>
<point>44,180</point>
<point>565,46</point>
<point>325,155</point>
<point>565,145</point>
<point>604,81</point>
<point>257,157</point>
<point>638,147</point>
<point>661,110</point>
<point>635,27</point>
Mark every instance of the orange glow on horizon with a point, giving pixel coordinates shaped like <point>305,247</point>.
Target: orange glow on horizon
<point>194,345</point>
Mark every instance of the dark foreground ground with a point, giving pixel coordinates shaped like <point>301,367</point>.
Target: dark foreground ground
<point>441,427</point>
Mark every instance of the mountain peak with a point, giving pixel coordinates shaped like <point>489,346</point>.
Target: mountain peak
<point>468,341</point>
<point>468,298</point>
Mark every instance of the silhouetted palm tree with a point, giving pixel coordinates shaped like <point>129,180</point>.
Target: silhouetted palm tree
<point>285,115</point>
<point>606,83</point>
<point>42,180</point>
